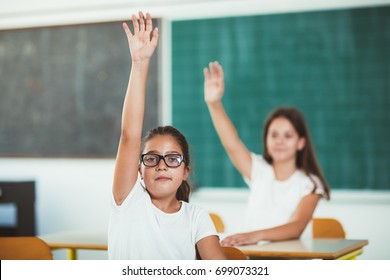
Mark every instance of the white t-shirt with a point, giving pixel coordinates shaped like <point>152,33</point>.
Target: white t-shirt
<point>272,202</point>
<point>138,230</point>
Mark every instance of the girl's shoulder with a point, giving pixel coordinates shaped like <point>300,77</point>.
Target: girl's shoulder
<point>190,207</point>
<point>311,181</point>
<point>258,158</point>
<point>193,210</point>
<point>260,169</point>
<point>138,192</point>
<point>258,161</point>
<point>303,176</point>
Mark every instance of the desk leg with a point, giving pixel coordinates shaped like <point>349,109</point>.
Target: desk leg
<point>72,254</point>
<point>352,255</point>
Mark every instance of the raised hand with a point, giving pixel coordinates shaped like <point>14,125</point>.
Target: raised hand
<point>213,83</point>
<point>144,40</point>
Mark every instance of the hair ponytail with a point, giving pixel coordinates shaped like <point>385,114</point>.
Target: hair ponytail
<point>183,192</point>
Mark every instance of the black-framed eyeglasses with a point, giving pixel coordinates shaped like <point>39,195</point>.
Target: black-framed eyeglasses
<point>171,160</point>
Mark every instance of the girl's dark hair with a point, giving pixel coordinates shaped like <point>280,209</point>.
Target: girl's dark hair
<point>306,159</point>
<point>183,192</point>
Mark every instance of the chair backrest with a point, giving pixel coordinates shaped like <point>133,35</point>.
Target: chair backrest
<point>233,253</point>
<point>327,228</point>
<point>218,223</point>
<point>24,248</point>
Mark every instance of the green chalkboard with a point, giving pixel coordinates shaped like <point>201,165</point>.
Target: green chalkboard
<point>333,65</point>
<point>62,90</point>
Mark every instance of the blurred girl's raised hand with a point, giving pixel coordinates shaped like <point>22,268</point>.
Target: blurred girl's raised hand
<point>144,40</point>
<point>213,83</point>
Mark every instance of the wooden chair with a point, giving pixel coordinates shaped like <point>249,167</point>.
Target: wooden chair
<point>24,248</point>
<point>233,253</point>
<point>332,228</point>
<point>218,223</point>
<point>327,228</point>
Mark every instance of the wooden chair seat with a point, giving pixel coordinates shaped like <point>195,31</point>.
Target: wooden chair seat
<point>24,248</point>
<point>218,223</point>
<point>327,228</point>
<point>233,253</point>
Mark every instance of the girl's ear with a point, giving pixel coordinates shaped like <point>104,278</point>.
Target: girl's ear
<point>186,172</point>
<point>301,143</point>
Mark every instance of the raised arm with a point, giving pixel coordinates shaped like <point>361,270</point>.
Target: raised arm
<point>213,92</point>
<point>141,45</point>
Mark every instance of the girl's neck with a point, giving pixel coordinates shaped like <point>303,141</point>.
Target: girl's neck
<point>167,205</point>
<point>284,170</point>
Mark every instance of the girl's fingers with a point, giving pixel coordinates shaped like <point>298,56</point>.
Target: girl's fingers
<point>141,21</point>
<point>215,65</point>
<point>149,24</point>
<point>127,29</point>
<point>220,70</point>
<point>211,67</point>
<point>155,37</point>
<point>135,24</point>
<point>139,29</point>
<point>206,73</point>
<point>216,70</point>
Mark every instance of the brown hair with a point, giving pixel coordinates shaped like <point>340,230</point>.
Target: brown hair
<point>183,192</point>
<point>306,159</point>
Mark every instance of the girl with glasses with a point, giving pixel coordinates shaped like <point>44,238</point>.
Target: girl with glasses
<point>151,217</point>
<point>285,182</point>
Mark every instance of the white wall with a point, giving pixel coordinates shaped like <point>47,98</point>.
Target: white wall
<point>28,13</point>
<point>70,194</point>
<point>73,194</point>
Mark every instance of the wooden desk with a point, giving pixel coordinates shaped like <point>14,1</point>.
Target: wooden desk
<point>74,240</point>
<point>319,248</point>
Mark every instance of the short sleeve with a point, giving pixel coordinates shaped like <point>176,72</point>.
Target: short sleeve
<point>135,194</point>
<point>204,225</point>
<point>259,168</point>
<point>318,185</point>
<point>313,182</point>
